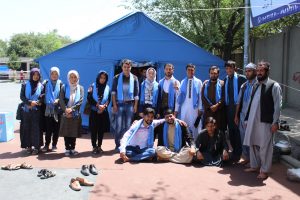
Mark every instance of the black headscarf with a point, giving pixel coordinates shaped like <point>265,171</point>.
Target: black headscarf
<point>33,83</point>
<point>101,87</point>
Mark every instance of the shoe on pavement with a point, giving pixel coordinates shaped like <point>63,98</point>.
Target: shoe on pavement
<point>45,149</point>
<point>84,170</point>
<point>54,148</point>
<point>68,152</point>
<point>75,185</point>
<point>84,182</point>
<point>73,152</point>
<point>93,169</point>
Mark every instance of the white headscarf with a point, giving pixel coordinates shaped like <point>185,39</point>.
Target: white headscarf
<point>149,83</point>
<point>73,86</point>
<point>54,69</point>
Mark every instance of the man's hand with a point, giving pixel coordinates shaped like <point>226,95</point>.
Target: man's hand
<point>34,103</point>
<point>274,128</point>
<point>68,111</point>
<point>157,116</point>
<point>214,108</point>
<point>124,157</point>
<point>236,120</point>
<point>199,156</point>
<point>192,151</point>
<point>225,155</point>
<point>135,108</point>
<point>175,113</point>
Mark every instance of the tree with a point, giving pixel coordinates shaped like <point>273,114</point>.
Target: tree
<point>3,48</point>
<point>13,61</point>
<point>212,29</point>
<point>35,45</point>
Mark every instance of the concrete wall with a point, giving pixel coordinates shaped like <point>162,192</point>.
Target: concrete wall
<point>283,52</point>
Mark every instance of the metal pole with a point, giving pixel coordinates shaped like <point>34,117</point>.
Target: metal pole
<point>246,32</point>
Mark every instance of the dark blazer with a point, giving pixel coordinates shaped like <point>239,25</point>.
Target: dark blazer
<point>187,139</point>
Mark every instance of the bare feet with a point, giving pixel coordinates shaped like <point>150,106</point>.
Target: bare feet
<point>262,176</point>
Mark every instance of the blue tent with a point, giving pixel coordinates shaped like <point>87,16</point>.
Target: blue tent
<point>136,37</point>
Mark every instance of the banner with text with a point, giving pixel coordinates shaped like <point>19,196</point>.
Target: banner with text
<point>263,11</point>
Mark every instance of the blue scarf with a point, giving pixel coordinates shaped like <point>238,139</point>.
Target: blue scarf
<point>248,90</point>
<point>37,93</point>
<point>50,94</point>
<point>235,89</point>
<point>150,140</point>
<point>154,93</point>
<point>183,92</point>
<point>218,92</point>
<point>177,136</point>
<point>77,95</point>
<point>105,94</point>
<point>171,92</point>
<point>120,87</point>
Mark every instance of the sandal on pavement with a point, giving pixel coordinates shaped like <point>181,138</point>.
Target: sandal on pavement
<point>10,167</point>
<point>84,182</point>
<point>48,174</point>
<point>74,185</point>
<point>262,176</point>
<point>25,166</point>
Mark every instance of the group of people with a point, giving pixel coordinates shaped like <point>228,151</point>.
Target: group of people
<point>191,118</point>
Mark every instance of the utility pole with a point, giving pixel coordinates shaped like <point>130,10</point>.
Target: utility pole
<point>246,32</point>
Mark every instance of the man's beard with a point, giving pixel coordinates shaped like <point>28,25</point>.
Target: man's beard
<point>251,77</point>
<point>262,78</point>
<point>213,79</point>
<point>148,122</point>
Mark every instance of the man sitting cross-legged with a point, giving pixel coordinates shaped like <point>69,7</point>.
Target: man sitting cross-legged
<point>137,142</point>
<point>175,143</point>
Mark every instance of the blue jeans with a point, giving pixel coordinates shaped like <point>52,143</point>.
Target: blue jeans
<point>124,120</point>
<point>138,154</point>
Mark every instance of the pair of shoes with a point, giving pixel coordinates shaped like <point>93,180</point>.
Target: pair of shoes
<point>29,150</point>
<point>11,167</point>
<point>100,150</point>
<point>85,170</point>
<point>75,184</point>
<point>45,173</point>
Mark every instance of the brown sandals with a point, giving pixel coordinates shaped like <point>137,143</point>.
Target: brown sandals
<point>16,166</point>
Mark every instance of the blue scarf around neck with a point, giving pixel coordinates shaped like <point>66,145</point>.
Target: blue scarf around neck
<point>218,91</point>
<point>177,136</point>
<point>150,140</point>
<point>96,96</point>
<point>235,89</point>
<point>154,93</point>
<point>35,96</point>
<point>248,90</point>
<point>120,96</point>
<point>51,94</point>
<point>183,91</point>
<point>171,92</point>
<point>77,95</point>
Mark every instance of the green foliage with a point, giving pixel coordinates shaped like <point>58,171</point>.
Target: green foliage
<point>35,45</point>
<point>13,61</point>
<point>3,48</point>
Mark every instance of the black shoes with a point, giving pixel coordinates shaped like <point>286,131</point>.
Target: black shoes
<point>85,170</point>
<point>45,173</point>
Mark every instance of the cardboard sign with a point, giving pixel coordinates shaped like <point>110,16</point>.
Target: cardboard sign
<point>6,126</point>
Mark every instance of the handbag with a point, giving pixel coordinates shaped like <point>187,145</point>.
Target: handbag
<point>19,111</point>
<point>87,108</point>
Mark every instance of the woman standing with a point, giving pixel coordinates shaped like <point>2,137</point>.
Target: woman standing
<point>31,93</point>
<point>70,100</point>
<point>99,98</point>
<point>52,117</point>
<point>149,92</point>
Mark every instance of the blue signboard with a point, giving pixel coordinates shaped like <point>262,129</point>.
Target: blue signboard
<point>263,11</point>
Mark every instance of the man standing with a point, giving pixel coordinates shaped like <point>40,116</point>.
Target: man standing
<point>175,144</point>
<point>137,142</point>
<point>233,82</point>
<point>168,90</point>
<point>212,95</point>
<point>242,107</point>
<point>125,96</point>
<point>189,103</point>
<point>262,121</point>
